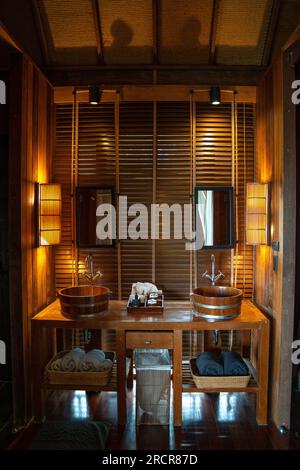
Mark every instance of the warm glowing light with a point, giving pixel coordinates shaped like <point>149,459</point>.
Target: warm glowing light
<point>49,216</point>
<point>257,203</point>
<point>41,258</point>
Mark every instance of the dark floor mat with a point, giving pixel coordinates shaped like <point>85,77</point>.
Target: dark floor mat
<point>71,435</point>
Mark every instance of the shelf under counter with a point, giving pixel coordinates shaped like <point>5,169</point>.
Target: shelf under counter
<point>110,387</point>
<point>188,384</point>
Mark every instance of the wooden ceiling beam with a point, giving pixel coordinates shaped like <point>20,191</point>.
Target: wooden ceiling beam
<point>213,32</point>
<point>271,32</point>
<point>5,36</point>
<point>110,67</point>
<point>40,31</point>
<point>209,75</point>
<point>98,31</point>
<point>244,94</point>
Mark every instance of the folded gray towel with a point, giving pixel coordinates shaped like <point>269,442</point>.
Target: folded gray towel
<point>208,364</point>
<point>233,364</point>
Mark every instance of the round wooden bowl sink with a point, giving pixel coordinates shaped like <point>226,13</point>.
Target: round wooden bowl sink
<point>217,303</point>
<point>84,301</point>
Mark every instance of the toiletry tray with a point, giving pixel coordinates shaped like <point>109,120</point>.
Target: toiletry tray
<point>215,382</point>
<point>147,309</point>
<point>55,377</point>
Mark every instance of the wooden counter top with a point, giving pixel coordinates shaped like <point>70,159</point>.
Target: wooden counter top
<point>177,316</point>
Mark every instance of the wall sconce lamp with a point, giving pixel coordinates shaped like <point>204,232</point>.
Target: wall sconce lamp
<point>48,197</point>
<point>257,214</point>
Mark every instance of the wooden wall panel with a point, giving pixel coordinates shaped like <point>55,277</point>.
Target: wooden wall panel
<point>32,271</point>
<point>275,163</point>
<point>268,285</point>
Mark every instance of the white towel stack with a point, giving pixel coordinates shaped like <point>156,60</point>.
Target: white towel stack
<point>71,361</point>
<point>92,361</point>
<point>77,360</point>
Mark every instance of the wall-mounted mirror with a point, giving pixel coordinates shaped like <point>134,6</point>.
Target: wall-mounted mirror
<point>88,200</point>
<point>215,211</point>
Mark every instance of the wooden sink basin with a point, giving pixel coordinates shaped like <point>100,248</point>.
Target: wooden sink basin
<point>216,303</point>
<point>84,301</point>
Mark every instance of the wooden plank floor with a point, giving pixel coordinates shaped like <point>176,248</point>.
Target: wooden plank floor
<point>210,422</point>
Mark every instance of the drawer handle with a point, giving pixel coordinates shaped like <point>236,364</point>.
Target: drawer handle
<point>148,341</point>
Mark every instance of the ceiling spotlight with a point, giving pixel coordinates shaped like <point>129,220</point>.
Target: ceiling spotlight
<point>215,95</point>
<point>94,95</point>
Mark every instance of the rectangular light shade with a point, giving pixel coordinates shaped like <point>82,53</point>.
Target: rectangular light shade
<point>49,218</point>
<point>257,217</point>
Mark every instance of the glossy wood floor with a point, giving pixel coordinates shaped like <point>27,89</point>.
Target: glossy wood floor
<point>210,422</point>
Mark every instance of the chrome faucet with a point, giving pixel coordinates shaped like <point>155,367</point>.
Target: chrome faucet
<point>91,276</point>
<point>213,277</point>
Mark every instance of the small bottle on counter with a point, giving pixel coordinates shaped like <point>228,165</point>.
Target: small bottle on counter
<point>136,301</point>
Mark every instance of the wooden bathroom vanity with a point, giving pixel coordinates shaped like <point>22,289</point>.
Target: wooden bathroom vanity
<point>164,331</point>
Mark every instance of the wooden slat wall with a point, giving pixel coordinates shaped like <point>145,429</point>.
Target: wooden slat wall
<point>213,167</point>
<point>97,167</point>
<point>214,149</point>
<point>62,175</point>
<point>245,170</point>
<point>32,280</point>
<point>173,187</point>
<point>155,143</point>
<point>136,151</point>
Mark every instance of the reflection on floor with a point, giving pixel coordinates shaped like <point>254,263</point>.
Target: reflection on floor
<point>210,421</point>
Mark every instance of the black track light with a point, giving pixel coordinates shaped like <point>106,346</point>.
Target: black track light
<point>94,95</point>
<point>215,95</point>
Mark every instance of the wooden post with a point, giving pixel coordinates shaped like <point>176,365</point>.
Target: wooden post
<point>177,377</point>
<point>121,376</point>
<point>154,185</point>
<point>117,137</point>
<point>37,372</point>
<point>263,374</point>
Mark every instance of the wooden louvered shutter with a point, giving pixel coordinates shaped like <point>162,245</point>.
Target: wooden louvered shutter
<point>213,168</point>
<point>157,137</point>
<point>62,174</point>
<point>220,162</point>
<point>245,172</point>
<point>136,168</point>
<point>97,167</point>
<point>172,266</point>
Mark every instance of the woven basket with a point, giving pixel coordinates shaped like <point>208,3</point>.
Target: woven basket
<point>78,378</point>
<point>224,381</point>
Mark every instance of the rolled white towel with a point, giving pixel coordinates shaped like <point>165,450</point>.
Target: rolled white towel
<point>92,361</point>
<point>56,365</point>
<point>71,361</point>
<point>105,365</point>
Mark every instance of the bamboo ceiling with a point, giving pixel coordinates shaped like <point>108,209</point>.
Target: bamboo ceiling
<point>149,32</point>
